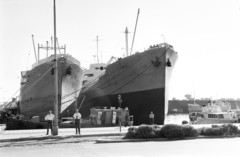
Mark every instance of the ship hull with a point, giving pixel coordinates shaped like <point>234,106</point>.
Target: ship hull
<point>141,79</point>
<point>37,94</point>
<point>16,124</point>
<point>140,104</point>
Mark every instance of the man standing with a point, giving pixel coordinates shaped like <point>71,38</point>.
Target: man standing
<point>127,119</point>
<point>49,118</point>
<point>77,117</point>
<point>151,118</point>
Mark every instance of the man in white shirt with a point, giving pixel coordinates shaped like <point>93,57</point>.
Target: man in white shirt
<point>77,117</point>
<point>151,118</point>
<point>49,118</point>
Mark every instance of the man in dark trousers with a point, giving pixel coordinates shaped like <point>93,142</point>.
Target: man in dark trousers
<point>151,118</point>
<point>77,117</point>
<point>49,118</point>
<point>127,119</point>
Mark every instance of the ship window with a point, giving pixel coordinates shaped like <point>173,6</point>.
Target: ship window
<point>220,116</point>
<point>88,75</point>
<point>212,116</point>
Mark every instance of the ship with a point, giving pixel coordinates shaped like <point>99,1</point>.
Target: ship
<point>52,83</point>
<point>213,113</point>
<point>141,81</point>
<point>181,106</point>
<point>37,94</point>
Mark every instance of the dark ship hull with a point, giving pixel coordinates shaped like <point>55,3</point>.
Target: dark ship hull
<point>37,91</point>
<point>141,79</point>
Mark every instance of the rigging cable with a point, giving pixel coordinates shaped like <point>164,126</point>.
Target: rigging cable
<point>128,75</point>
<point>29,87</point>
<point>128,81</point>
<point>128,66</point>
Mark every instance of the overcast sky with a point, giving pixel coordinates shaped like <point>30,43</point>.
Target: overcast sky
<point>205,33</point>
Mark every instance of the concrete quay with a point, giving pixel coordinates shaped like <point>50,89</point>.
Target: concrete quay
<point>63,133</point>
<point>40,134</point>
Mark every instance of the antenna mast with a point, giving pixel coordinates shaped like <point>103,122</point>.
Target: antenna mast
<point>135,31</point>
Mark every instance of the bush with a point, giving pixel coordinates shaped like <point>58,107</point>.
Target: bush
<point>212,131</point>
<point>156,127</point>
<point>131,132</point>
<point>172,131</point>
<point>157,132</point>
<point>145,131</point>
<point>233,130</point>
<point>218,130</point>
<point>179,131</point>
<point>189,131</point>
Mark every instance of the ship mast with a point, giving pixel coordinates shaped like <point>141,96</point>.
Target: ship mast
<point>55,127</point>
<point>34,49</point>
<point>126,33</point>
<point>97,50</point>
<point>47,47</point>
<point>135,31</point>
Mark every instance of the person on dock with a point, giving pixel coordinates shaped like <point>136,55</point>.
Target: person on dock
<point>77,117</point>
<point>127,119</point>
<point>49,118</point>
<point>151,118</point>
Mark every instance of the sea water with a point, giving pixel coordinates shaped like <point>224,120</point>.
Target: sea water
<point>176,118</point>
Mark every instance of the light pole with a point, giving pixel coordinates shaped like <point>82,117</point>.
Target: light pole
<point>120,101</point>
<point>163,38</point>
<point>76,102</point>
<point>55,127</point>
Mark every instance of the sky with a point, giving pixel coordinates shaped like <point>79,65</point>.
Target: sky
<point>205,33</point>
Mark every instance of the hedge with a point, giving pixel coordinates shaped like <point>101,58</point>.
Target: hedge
<point>219,130</point>
<point>172,131</point>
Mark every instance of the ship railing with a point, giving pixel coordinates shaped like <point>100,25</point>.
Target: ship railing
<point>50,58</point>
<point>72,59</point>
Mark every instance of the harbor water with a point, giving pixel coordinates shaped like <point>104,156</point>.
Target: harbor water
<point>176,118</point>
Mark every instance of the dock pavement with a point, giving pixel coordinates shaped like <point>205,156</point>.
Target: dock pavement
<point>40,134</point>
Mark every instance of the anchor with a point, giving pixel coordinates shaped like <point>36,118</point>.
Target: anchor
<point>157,62</point>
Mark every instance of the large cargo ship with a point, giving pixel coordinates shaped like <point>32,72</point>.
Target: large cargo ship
<point>142,80</point>
<point>37,85</point>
